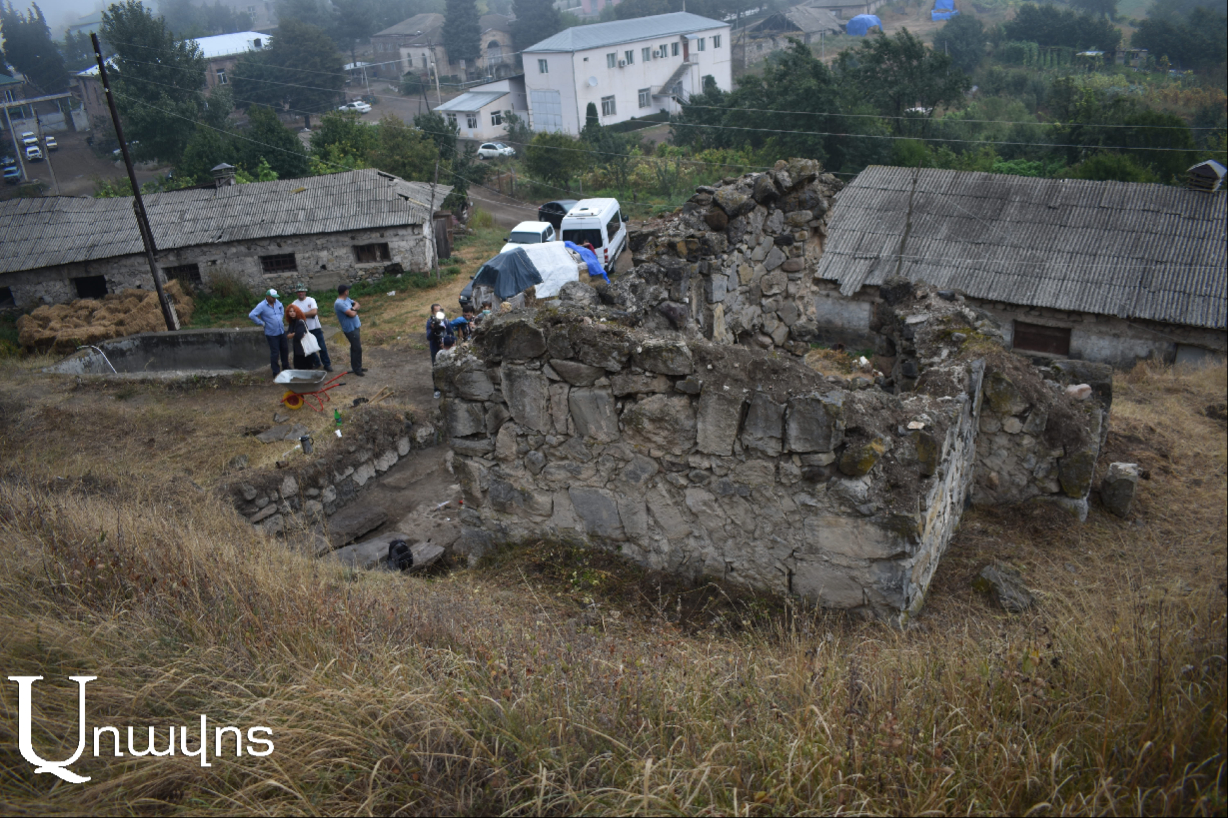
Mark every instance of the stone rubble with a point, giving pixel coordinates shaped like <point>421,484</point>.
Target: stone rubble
<point>1118,488</point>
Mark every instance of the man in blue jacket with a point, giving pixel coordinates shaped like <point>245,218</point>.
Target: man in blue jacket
<point>270,314</point>
<point>347,316</point>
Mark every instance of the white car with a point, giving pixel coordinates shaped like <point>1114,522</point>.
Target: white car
<point>529,233</point>
<point>28,138</point>
<point>50,142</point>
<point>34,154</point>
<point>357,105</point>
<point>492,150</point>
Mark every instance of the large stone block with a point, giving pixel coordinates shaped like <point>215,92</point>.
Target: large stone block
<point>526,501</point>
<point>606,349</point>
<point>733,200</point>
<point>672,522</point>
<point>528,397</point>
<point>638,383</point>
<point>763,429</point>
<point>717,421</point>
<point>514,338</point>
<point>661,422</point>
<point>465,418</point>
<point>558,407</point>
<point>592,411</point>
<point>1075,472</point>
<point>598,509</point>
<point>1002,395</point>
<point>815,423</point>
<point>577,374</point>
<point>666,357</point>
<point>1117,490</point>
<point>474,384</point>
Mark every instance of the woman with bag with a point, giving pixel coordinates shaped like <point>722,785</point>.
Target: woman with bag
<point>306,348</point>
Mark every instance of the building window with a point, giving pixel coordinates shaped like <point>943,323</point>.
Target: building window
<point>674,50</point>
<point>471,121</point>
<point>451,120</point>
<point>425,62</point>
<point>281,263</point>
<point>496,117</point>
<point>716,42</point>
<point>629,56</point>
<point>645,97</point>
<point>611,60</point>
<point>645,54</point>
<point>1039,338</point>
<point>543,67</point>
<point>699,44</point>
<point>664,49</point>
<point>221,76</point>
<point>186,273</point>
<point>607,106</point>
<point>6,297</point>
<point>251,10</point>
<point>90,286</point>
<point>369,253</point>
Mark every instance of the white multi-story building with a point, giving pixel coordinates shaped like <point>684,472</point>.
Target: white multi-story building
<point>626,68</point>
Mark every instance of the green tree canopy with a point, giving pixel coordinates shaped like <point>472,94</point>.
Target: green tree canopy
<point>962,37</point>
<point>268,139</point>
<point>159,81</point>
<point>341,140</point>
<point>354,22</point>
<point>1104,8</point>
<point>462,33</point>
<point>1194,42</point>
<point>556,159</point>
<point>1050,25</point>
<point>78,51</point>
<point>28,47</point>
<point>186,19</point>
<point>899,73</point>
<point>535,21</point>
<point>439,131</point>
<point>403,151</point>
<point>301,70</point>
<point>1111,167</point>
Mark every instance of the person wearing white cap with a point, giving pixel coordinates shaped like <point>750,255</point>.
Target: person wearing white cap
<point>311,312</point>
<point>270,314</point>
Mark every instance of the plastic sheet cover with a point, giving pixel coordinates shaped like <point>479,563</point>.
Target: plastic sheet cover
<point>555,266</point>
<point>862,23</point>
<point>508,274</point>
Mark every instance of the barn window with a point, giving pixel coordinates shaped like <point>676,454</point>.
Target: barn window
<point>6,297</point>
<point>187,273</point>
<point>281,263</point>
<point>367,253</point>
<point>91,286</point>
<point>1039,338</point>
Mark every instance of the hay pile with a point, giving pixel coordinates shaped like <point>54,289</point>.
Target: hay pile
<point>64,327</point>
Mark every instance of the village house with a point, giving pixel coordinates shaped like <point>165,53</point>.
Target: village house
<point>847,9</point>
<point>322,230</point>
<point>1111,272</point>
<point>414,45</point>
<point>481,112</point>
<point>805,24</point>
<point>221,53</point>
<point>625,68</point>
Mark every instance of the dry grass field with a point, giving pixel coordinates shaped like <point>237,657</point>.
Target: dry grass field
<point>551,680</point>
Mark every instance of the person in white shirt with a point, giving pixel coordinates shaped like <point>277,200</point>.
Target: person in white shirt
<point>311,312</point>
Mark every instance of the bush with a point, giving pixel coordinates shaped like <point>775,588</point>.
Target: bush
<point>481,219</point>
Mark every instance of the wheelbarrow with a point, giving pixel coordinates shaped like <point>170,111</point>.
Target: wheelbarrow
<point>306,383</point>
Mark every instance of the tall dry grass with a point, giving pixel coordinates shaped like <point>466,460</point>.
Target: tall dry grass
<point>493,691</point>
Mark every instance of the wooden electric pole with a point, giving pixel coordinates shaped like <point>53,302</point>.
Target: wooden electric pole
<point>434,233</point>
<point>138,204</point>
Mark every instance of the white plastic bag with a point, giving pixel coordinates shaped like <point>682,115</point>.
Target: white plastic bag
<point>310,345</point>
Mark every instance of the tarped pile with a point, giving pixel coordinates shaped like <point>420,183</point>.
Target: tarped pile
<point>860,25</point>
<point>546,266</point>
<point>944,10</point>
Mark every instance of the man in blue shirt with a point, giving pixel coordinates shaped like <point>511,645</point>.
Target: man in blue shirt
<point>347,315</point>
<point>270,314</point>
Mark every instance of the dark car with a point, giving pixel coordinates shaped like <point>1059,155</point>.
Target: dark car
<point>554,212</point>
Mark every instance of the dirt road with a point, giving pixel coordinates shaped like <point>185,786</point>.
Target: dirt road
<point>76,166</point>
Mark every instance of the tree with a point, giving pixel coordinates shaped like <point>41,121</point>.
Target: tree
<point>310,12</point>
<point>592,122</point>
<point>1104,8</point>
<point>963,38</point>
<point>341,141</point>
<point>462,33</point>
<point>403,151</point>
<point>28,46</point>
<point>1111,167</point>
<point>1196,42</point>
<point>78,51</point>
<point>535,21</point>
<point>301,70</point>
<point>354,23</point>
<point>439,131</point>
<point>1049,25</point>
<point>556,159</point>
<point>186,19</point>
<point>159,81</point>
<point>900,72</point>
<point>268,139</point>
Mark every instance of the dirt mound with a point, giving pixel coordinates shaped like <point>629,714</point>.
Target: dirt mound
<point>64,327</point>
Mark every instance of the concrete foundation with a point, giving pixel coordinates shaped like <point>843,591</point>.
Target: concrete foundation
<point>198,350</point>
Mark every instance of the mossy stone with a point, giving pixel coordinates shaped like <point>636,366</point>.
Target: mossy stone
<point>858,460</point>
<point>1074,472</point>
<point>1003,396</point>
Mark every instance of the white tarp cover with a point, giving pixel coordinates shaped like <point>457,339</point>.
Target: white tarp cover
<point>555,265</point>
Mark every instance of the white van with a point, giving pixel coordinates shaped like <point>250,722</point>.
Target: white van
<point>598,222</point>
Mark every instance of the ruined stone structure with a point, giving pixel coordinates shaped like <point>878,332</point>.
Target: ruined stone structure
<point>714,460</point>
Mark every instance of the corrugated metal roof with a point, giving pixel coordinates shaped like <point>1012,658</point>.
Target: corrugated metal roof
<point>50,231</point>
<point>471,101</point>
<point>425,24</point>
<point>1112,248</point>
<point>578,38</point>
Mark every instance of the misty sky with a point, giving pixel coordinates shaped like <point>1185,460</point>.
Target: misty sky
<point>62,13</point>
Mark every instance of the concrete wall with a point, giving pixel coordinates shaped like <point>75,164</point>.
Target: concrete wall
<point>323,260</point>
<point>186,350</point>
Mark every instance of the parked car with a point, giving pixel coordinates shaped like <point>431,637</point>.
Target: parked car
<point>6,161</point>
<point>34,154</point>
<point>12,174</point>
<point>529,233</point>
<point>554,212</point>
<point>50,142</point>
<point>357,105</point>
<point>28,138</point>
<point>493,150</point>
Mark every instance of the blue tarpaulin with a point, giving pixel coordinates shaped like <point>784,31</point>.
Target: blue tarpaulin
<point>590,258</point>
<point>943,10</point>
<point>861,24</point>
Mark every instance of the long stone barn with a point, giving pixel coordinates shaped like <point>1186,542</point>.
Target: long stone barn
<point>1101,271</point>
<point>323,229</point>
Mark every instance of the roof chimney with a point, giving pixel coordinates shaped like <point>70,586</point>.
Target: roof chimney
<point>1207,176</point>
<point>223,175</point>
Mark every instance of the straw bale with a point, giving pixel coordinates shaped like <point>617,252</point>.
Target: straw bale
<point>63,327</point>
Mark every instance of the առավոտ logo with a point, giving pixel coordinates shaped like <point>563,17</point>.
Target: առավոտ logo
<point>256,746</point>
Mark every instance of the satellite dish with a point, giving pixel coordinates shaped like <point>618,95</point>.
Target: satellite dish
<point>592,82</point>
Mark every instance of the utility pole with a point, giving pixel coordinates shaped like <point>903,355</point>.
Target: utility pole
<point>138,204</point>
<point>431,218</point>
